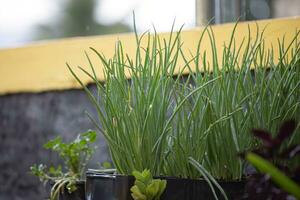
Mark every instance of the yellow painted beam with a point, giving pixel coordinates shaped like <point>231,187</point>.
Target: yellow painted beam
<point>41,66</point>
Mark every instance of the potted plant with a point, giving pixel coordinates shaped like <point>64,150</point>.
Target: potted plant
<point>67,183</point>
<point>186,124</point>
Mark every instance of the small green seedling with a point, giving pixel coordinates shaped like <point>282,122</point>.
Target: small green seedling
<point>147,188</point>
<point>75,155</point>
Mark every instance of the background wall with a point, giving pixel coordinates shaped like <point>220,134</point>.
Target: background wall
<point>27,122</point>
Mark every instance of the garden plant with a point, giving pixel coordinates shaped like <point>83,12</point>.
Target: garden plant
<point>145,187</point>
<point>75,155</point>
<point>191,121</point>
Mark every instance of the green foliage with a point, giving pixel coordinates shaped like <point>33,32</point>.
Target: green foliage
<point>43,172</point>
<point>75,155</point>
<point>253,90</point>
<point>145,187</point>
<point>161,117</point>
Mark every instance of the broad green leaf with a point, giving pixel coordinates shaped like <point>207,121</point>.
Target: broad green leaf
<point>136,193</point>
<point>141,186</point>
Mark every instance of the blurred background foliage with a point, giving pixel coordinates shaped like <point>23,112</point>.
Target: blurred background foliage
<point>78,19</point>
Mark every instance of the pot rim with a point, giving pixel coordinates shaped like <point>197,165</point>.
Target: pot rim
<point>94,174</point>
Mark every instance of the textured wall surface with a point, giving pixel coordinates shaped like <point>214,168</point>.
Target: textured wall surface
<point>27,121</point>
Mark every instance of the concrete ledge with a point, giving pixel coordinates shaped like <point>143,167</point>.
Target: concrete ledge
<point>41,66</point>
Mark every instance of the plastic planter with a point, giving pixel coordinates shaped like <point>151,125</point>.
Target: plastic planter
<point>117,187</point>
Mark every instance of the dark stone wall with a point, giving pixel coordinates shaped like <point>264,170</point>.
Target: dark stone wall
<point>27,121</point>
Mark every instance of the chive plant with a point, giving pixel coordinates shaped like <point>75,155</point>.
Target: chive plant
<point>253,90</point>
<point>161,119</point>
<point>136,115</point>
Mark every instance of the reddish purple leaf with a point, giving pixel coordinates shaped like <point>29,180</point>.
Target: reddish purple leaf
<point>264,136</point>
<point>286,129</point>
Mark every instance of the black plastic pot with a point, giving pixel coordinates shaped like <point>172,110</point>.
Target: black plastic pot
<point>117,187</point>
<point>78,194</point>
<point>108,186</point>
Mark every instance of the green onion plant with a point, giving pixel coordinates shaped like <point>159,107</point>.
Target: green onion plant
<point>167,121</point>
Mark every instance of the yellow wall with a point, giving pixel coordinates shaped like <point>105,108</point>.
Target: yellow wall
<point>41,66</point>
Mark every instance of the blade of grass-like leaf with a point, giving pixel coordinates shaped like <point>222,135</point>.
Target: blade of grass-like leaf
<point>209,179</point>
